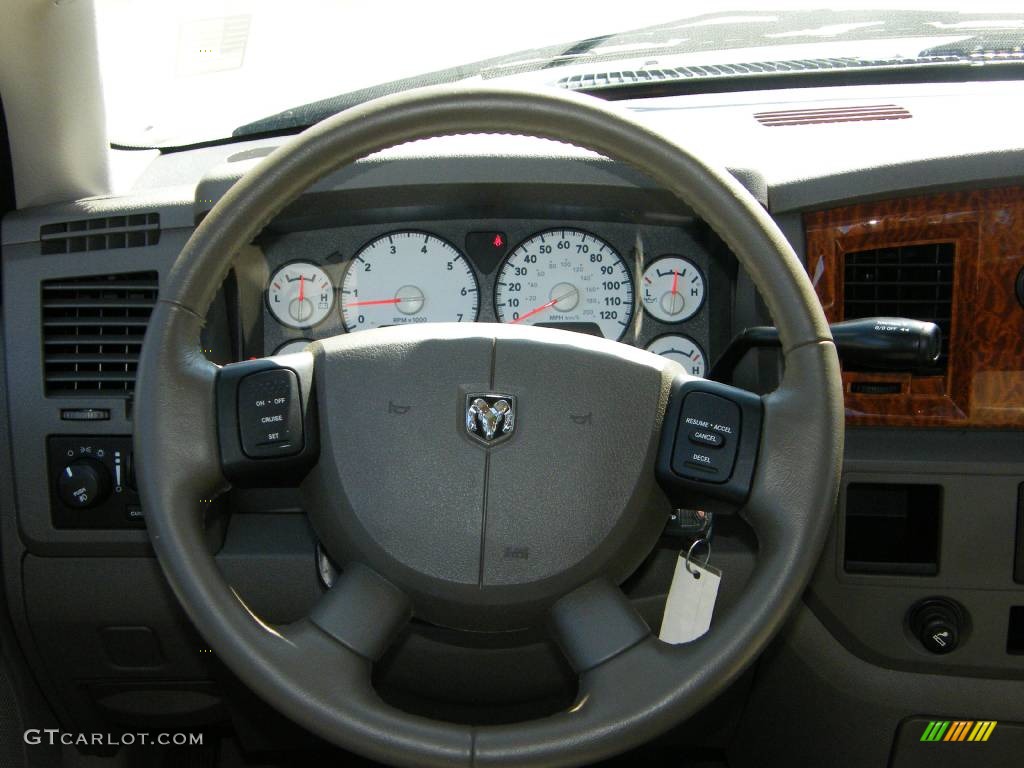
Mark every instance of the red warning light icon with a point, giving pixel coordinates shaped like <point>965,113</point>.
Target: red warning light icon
<point>498,241</point>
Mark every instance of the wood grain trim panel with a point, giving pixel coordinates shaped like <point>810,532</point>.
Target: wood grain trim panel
<point>984,381</point>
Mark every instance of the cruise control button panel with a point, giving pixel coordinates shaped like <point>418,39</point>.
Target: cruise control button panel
<point>266,420</point>
<point>269,416</point>
<point>704,450</point>
<point>709,444</point>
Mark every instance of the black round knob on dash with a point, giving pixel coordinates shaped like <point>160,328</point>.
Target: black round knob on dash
<point>937,624</point>
<point>83,483</point>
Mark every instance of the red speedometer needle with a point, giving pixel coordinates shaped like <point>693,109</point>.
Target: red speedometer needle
<point>542,307</point>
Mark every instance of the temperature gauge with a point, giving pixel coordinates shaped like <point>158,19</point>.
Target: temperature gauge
<point>673,289</point>
<point>683,350</point>
<point>300,295</point>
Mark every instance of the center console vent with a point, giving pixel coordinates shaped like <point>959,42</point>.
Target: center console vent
<point>914,281</point>
<point>130,231</point>
<point>92,332</point>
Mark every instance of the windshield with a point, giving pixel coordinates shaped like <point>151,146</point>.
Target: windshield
<point>201,70</point>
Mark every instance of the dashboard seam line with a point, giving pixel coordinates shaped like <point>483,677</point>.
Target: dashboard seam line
<point>487,477</point>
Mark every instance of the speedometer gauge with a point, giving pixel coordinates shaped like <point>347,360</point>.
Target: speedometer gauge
<point>566,278</point>
<point>408,277</point>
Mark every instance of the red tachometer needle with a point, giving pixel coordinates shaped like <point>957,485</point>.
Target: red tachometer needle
<point>542,307</point>
<point>374,303</point>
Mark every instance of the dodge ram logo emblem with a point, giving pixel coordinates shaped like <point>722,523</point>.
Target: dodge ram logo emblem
<point>490,418</point>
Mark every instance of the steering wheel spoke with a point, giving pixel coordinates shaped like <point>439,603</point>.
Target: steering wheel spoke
<point>595,623</point>
<point>363,611</point>
<point>267,421</point>
<point>798,428</point>
<point>709,444</point>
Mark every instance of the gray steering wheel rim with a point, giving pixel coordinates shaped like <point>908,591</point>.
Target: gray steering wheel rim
<point>643,690</point>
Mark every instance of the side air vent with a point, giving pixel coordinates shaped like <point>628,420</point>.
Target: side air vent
<point>832,115</point>
<point>92,332</point>
<point>131,231</point>
<point>913,281</point>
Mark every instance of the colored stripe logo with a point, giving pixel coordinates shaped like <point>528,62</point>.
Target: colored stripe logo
<point>958,730</point>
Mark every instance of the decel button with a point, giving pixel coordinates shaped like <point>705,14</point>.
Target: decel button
<point>269,416</point>
<point>706,438</point>
<point>702,462</point>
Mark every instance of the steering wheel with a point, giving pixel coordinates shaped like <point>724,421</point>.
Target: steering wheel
<point>504,517</point>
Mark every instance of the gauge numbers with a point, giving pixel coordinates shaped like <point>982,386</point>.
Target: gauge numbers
<point>683,350</point>
<point>300,295</point>
<point>566,278</point>
<point>408,277</point>
<point>673,289</point>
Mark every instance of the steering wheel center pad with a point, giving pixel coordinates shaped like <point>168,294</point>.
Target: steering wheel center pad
<point>479,535</point>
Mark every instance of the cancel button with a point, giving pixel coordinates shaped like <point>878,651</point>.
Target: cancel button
<point>706,437</point>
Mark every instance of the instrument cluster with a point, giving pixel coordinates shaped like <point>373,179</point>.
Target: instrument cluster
<point>645,286</point>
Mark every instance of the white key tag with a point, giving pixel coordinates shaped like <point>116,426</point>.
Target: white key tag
<point>691,598</point>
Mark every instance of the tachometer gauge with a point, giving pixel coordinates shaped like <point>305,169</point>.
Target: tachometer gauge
<point>683,350</point>
<point>408,277</point>
<point>673,289</point>
<point>566,278</point>
<point>300,294</point>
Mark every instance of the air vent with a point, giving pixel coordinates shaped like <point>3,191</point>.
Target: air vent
<point>913,281</point>
<point>92,332</point>
<point>832,115</point>
<point>131,231</point>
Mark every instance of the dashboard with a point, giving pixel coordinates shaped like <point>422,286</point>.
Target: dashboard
<point>506,229</point>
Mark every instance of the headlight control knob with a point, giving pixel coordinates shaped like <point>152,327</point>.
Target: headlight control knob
<point>938,624</point>
<point>83,483</point>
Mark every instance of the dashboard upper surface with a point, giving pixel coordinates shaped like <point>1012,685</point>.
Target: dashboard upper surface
<point>790,168</point>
